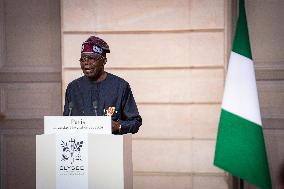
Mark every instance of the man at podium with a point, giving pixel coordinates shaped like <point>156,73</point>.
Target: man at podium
<point>99,93</point>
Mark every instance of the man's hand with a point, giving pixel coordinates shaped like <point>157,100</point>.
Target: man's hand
<point>115,126</point>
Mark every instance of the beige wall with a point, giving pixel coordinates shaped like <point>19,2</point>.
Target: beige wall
<point>173,53</point>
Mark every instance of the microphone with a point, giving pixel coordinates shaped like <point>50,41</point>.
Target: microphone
<point>95,106</point>
<point>70,107</point>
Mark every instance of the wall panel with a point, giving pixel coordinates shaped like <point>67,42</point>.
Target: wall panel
<point>162,156</point>
<point>179,121</point>
<point>178,156</point>
<point>151,50</point>
<point>32,36</point>
<point>19,100</point>
<point>201,182</point>
<point>128,15</point>
<point>19,160</point>
<point>271,95</point>
<point>163,182</point>
<point>174,86</point>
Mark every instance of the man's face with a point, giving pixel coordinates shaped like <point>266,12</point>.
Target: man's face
<point>92,65</point>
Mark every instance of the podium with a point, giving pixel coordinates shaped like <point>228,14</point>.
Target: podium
<point>80,152</point>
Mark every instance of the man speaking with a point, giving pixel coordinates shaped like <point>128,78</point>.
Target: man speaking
<point>99,93</point>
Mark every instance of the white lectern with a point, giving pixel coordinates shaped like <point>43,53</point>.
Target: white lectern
<point>80,152</point>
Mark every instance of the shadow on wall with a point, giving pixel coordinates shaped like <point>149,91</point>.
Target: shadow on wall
<point>281,176</point>
<point>2,116</point>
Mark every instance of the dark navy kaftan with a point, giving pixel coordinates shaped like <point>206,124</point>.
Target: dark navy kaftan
<point>114,91</point>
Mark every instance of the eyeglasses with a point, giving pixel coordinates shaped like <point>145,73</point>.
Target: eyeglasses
<point>91,59</point>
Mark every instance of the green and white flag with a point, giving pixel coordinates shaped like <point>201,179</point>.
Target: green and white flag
<point>240,147</point>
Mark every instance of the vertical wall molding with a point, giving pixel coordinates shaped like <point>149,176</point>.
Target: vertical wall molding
<point>2,161</point>
<point>2,34</point>
<point>2,60</point>
<point>2,100</point>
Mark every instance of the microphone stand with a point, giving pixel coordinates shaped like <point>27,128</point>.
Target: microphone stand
<point>95,106</point>
<point>70,108</point>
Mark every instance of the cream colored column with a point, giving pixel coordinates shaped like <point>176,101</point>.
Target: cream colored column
<point>173,53</point>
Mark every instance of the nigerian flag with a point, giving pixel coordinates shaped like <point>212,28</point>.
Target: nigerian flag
<point>240,147</point>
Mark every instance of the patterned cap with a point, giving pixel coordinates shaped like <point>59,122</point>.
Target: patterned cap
<point>95,45</point>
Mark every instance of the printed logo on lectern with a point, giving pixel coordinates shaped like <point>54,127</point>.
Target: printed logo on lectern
<point>71,151</point>
<point>71,157</point>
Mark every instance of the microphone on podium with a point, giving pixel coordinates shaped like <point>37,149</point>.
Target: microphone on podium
<point>95,106</point>
<point>70,107</point>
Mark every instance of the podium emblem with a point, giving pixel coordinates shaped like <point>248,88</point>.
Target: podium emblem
<point>71,150</point>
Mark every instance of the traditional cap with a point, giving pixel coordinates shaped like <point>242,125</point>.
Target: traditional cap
<point>95,45</point>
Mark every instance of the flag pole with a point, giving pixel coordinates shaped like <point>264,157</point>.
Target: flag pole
<point>241,183</point>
